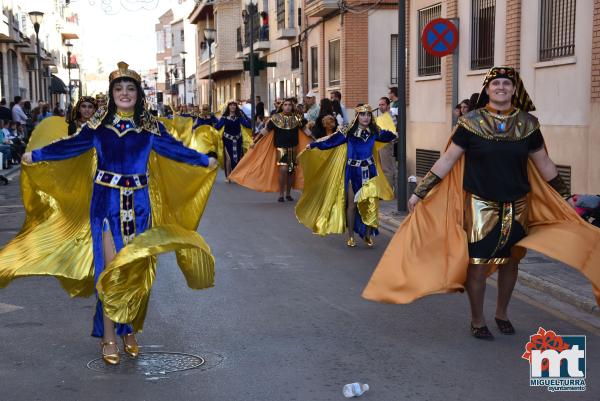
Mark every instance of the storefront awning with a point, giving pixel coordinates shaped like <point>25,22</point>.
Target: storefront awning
<point>57,85</point>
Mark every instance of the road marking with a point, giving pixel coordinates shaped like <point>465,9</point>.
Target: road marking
<point>6,308</point>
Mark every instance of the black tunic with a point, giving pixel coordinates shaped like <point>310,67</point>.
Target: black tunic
<point>495,169</point>
<point>285,137</point>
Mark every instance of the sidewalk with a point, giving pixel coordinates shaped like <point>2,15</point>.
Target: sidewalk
<point>536,271</point>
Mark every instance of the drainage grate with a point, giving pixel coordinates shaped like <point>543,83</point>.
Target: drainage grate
<point>150,363</point>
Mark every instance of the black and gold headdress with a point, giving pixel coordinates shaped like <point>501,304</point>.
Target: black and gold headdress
<point>520,100</point>
<point>82,99</point>
<point>363,108</point>
<point>123,71</point>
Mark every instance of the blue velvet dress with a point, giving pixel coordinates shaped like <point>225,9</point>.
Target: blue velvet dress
<point>212,120</point>
<point>360,166</point>
<point>232,137</point>
<point>120,200</point>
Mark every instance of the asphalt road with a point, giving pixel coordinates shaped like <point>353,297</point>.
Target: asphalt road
<point>284,322</point>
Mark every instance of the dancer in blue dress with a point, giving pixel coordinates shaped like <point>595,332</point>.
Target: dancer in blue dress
<point>123,137</point>
<point>360,176</point>
<point>231,122</point>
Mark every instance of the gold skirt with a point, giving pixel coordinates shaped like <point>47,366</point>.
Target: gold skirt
<point>493,228</point>
<point>287,157</point>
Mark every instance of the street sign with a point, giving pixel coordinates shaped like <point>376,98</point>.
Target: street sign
<point>440,37</point>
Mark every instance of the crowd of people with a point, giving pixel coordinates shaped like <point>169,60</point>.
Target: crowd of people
<point>17,121</point>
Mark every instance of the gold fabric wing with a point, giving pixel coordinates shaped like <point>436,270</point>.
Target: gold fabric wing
<point>367,200</point>
<point>322,206</point>
<point>55,239</point>
<point>178,194</point>
<point>179,127</point>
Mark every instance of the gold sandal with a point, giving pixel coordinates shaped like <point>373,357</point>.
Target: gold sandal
<point>350,242</point>
<point>131,350</point>
<point>110,359</point>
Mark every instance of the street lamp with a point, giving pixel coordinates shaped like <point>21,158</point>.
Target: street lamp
<point>69,47</point>
<point>248,15</point>
<point>183,53</point>
<point>209,38</point>
<point>36,20</point>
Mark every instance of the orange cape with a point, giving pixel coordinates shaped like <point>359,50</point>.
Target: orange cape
<point>258,169</point>
<point>428,254</point>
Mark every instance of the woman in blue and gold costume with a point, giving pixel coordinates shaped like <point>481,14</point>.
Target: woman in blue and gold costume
<point>205,117</point>
<point>345,182</point>
<point>232,124</point>
<point>493,193</point>
<point>101,204</point>
<point>84,109</point>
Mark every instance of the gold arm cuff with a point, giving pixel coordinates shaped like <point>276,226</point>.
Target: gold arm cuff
<point>493,261</point>
<point>560,186</point>
<point>427,183</point>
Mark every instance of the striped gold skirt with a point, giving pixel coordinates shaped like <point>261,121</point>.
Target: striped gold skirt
<point>493,228</point>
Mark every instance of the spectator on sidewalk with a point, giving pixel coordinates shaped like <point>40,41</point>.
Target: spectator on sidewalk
<point>263,33</point>
<point>17,145</point>
<point>5,147</point>
<point>338,112</point>
<point>337,95</point>
<point>325,109</point>
<point>393,96</point>
<point>5,113</point>
<point>44,112</point>
<point>473,101</point>
<point>276,105</point>
<point>311,107</point>
<point>260,107</point>
<point>18,114</point>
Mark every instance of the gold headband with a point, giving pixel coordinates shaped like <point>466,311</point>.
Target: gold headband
<point>124,72</point>
<point>365,108</point>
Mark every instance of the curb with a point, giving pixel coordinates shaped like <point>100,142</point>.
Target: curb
<point>561,294</point>
<point>12,172</point>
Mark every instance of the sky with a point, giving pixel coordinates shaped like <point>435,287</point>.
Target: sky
<point>119,30</point>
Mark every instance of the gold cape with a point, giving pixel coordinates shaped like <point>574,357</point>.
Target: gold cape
<point>258,169</point>
<point>179,127</point>
<point>322,205</point>
<point>55,239</point>
<point>429,255</point>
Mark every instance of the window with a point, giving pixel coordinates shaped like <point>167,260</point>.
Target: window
<point>295,57</point>
<point>334,62</point>
<point>182,35</point>
<point>280,14</point>
<point>314,67</point>
<point>557,29</point>
<point>160,42</point>
<point>428,64</point>
<point>168,37</point>
<point>483,16</point>
<point>394,58</point>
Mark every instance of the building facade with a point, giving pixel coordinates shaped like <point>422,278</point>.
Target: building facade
<point>176,54</point>
<point>19,72</point>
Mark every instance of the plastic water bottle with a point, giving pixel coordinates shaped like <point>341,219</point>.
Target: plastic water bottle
<point>355,389</point>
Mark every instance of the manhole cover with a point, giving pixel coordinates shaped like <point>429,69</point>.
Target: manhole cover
<point>150,363</point>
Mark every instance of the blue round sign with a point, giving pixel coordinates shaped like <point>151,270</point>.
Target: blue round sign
<point>440,37</point>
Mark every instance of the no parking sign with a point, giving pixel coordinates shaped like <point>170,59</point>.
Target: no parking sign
<point>440,37</point>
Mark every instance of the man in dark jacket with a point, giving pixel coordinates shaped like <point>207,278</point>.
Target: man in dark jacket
<point>5,113</point>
